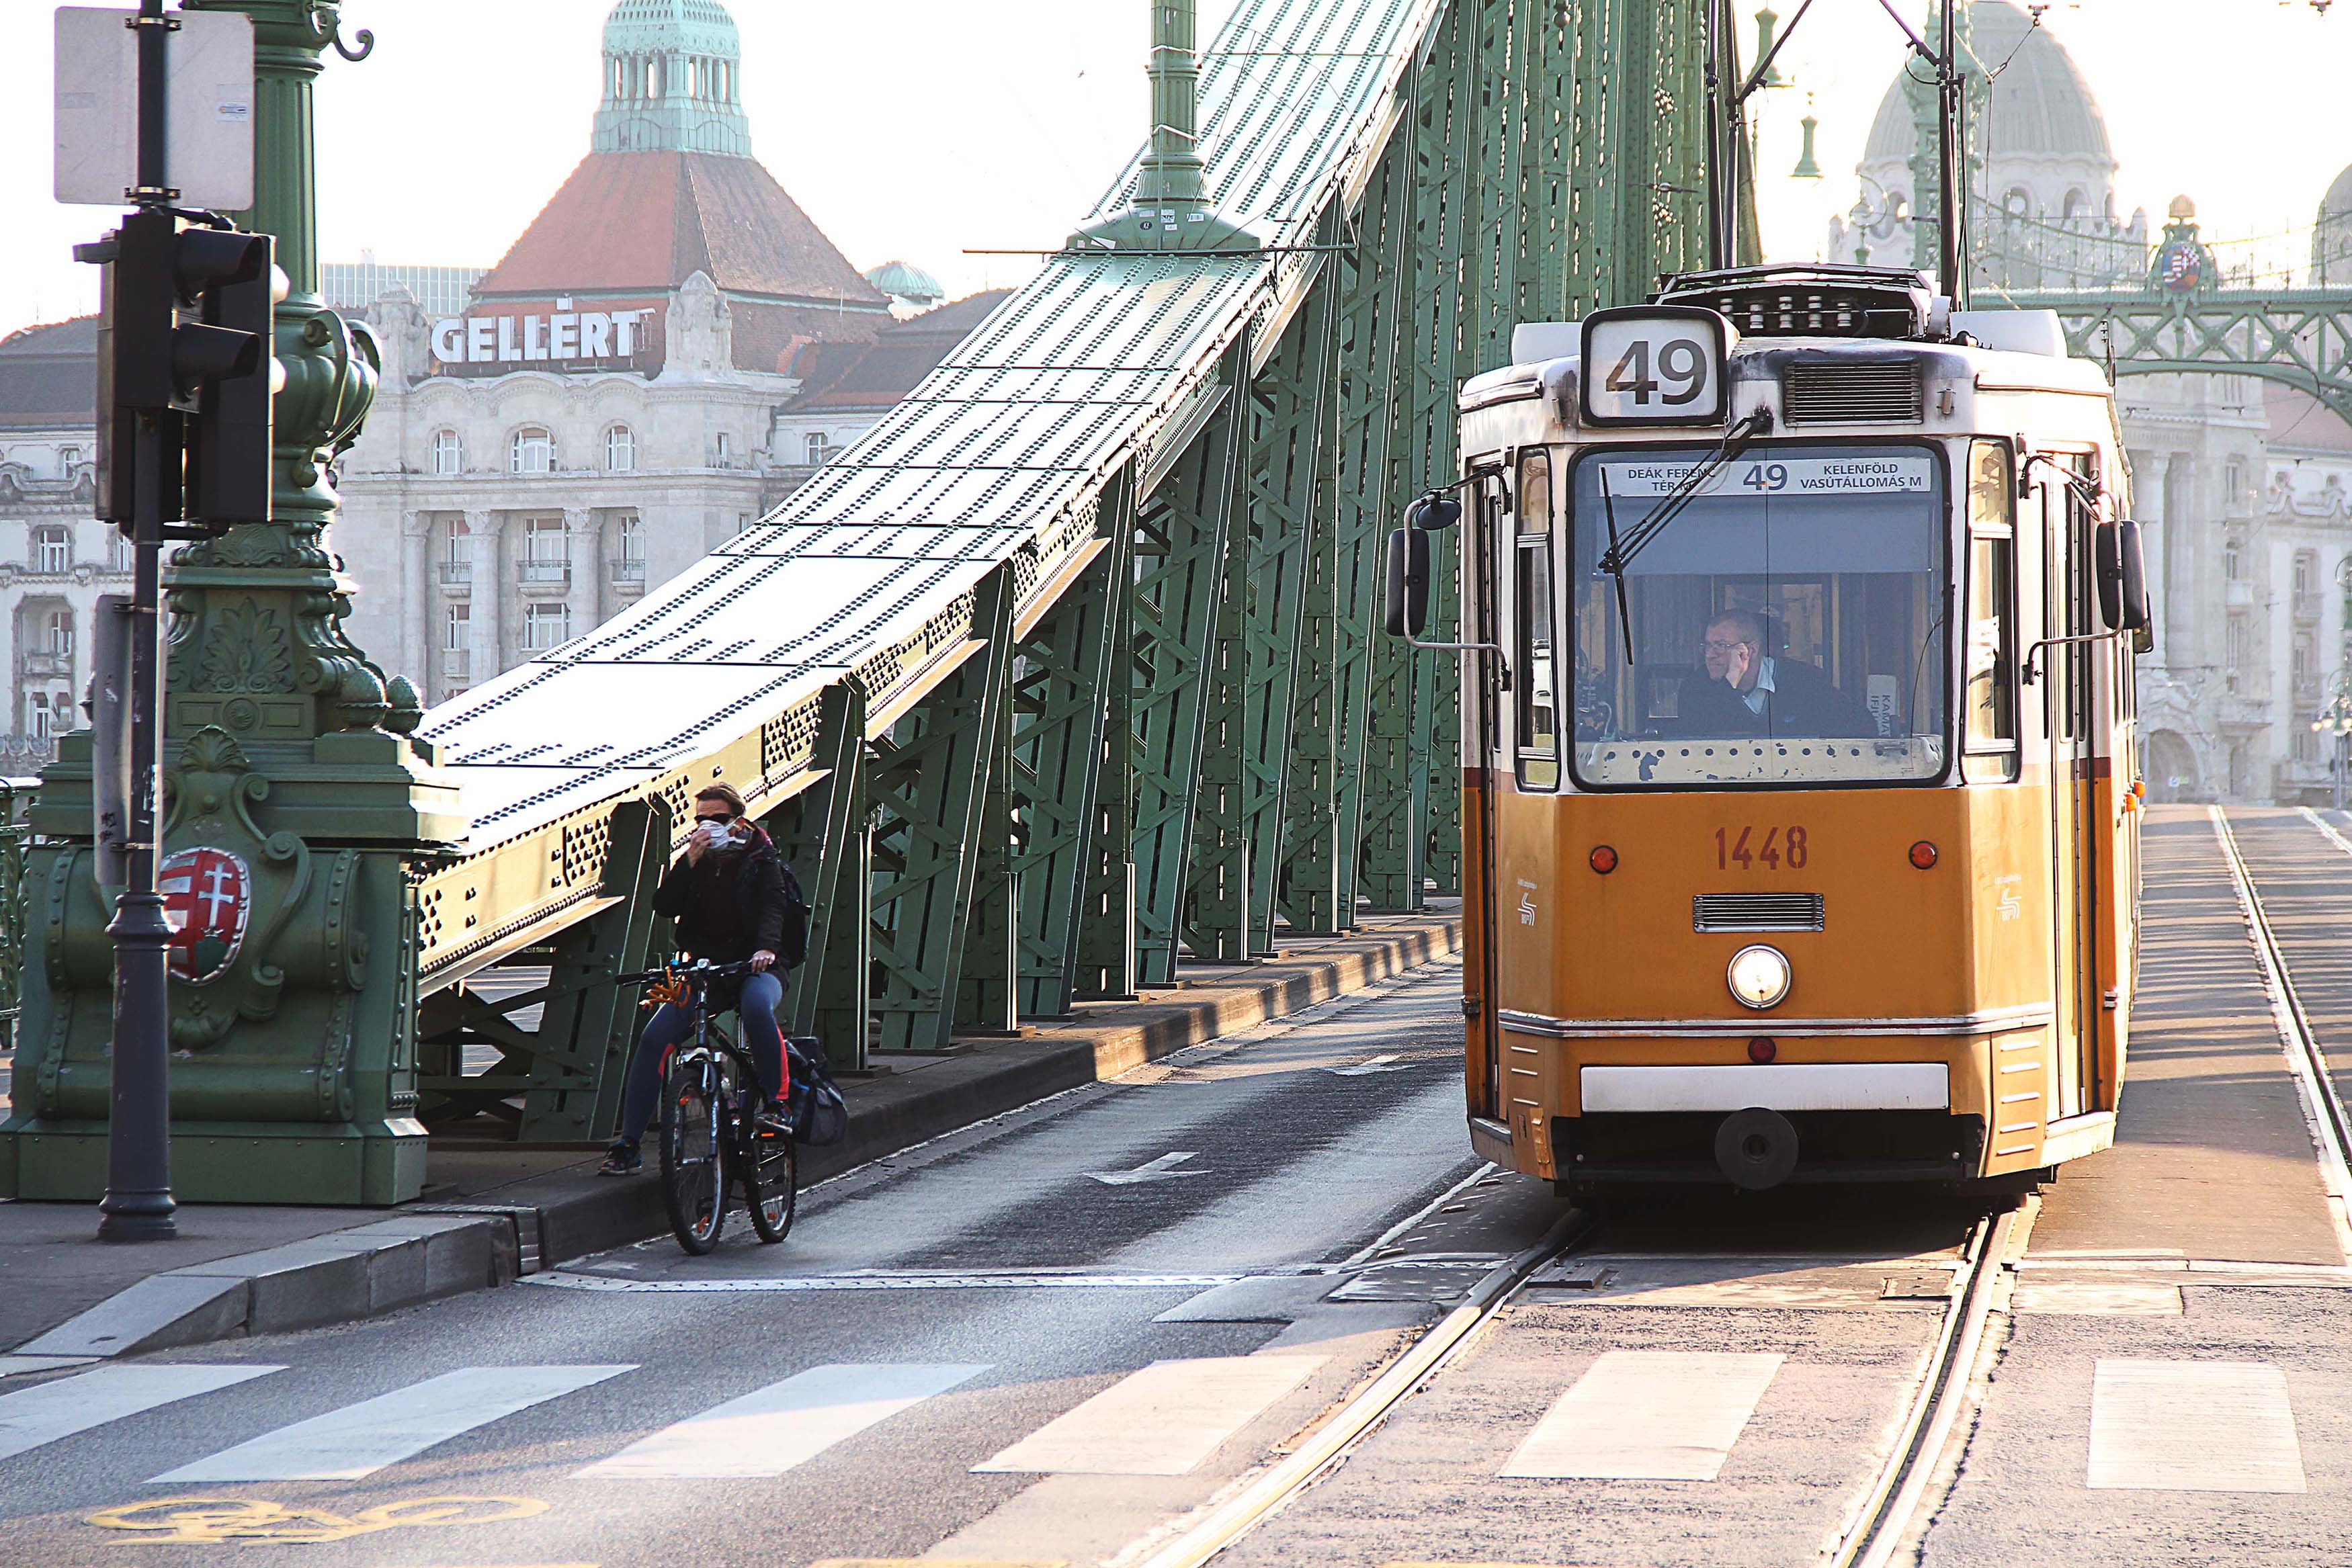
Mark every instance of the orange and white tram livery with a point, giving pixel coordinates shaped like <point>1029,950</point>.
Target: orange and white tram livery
<point>1801,781</point>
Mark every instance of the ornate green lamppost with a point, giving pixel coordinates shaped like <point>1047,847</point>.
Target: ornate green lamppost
<point>296,802</point>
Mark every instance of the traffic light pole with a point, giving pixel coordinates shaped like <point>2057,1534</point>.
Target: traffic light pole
<point>137,1204</point>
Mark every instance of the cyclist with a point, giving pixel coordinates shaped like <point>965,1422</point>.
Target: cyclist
<point>727,897</point>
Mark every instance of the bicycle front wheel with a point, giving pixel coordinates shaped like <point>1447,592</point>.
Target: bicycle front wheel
<point>694,1153</point>
<point>770,1175</point>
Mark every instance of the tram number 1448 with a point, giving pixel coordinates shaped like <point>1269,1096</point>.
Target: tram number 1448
<point>1780,846</point>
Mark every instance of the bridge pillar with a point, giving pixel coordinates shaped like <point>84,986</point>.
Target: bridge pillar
<point>295,804</point>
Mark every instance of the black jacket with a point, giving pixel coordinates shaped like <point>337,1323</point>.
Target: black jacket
<point>759,892</point>
<point>1803,703</point>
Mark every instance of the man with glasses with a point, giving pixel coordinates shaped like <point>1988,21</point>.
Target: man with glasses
<point>1747,692</point>
<point>728,895</point>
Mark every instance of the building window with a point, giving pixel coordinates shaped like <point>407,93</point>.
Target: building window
<point>121,555</point>
<point>46,718</point>
<point>545,626</point>
<point>2305,565</point>
<point>621,449</point>
<point>2233,562</point>
<point>52,547</point>
<point>69,459</point>
<point>448,452</point>
<point>533,452</point>
<point>2233,659</point>
<point>2305,665</point>
<point>726,451</point>
<point>629,565</point>
<point>458,553</point>
<point>57,633</point>
<point>816,450</point>
<point>2233,481</point>
<point>547,551</point>
<point>457,628</point>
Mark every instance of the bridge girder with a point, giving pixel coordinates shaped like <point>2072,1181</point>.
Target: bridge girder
<point>2300,338</point>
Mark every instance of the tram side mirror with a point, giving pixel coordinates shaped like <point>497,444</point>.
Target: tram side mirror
<point>1433,512</point>
<point>1408,582</point>
<point>2123,576</point>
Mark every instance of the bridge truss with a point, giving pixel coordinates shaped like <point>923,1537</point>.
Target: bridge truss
<point>1066,672</point>
<point>2300,338</point>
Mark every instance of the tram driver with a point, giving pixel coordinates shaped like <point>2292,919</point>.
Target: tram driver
<point>1746,691</point>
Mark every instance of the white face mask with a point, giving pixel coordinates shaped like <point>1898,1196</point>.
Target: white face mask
<point>722,834</point>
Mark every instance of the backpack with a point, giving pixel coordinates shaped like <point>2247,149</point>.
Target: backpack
<point>820,1115</point>
<point>795,949</point>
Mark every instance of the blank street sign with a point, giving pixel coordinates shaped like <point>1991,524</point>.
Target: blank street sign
<point>209,155</point>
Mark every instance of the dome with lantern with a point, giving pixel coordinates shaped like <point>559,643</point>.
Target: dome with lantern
<point>2042,166</point>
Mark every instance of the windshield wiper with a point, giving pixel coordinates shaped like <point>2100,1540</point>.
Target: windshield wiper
<point>1622,551</point>
<point>1613,564</point>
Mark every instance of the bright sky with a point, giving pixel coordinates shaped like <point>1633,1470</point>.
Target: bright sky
<point>946,127</point>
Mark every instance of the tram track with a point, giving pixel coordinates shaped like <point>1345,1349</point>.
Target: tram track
<point>2323,1110</point>
<point>1894,1505</point>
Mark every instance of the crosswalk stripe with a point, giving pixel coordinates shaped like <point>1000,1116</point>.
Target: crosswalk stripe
<point>359,1439</point>
<point>767,1432</point>
<point>32,1417</point>
<point>1161,1421</point>
<point>1647,1415</point>
<point>2193,1425</point>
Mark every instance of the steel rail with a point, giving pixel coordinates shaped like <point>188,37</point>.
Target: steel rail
<point>1879,1527</point>
<point>2331,1128</point>
<point>1330,1443</point>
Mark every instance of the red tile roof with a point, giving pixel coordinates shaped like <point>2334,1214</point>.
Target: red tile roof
<point>652,220</point>
<point>879,375</point>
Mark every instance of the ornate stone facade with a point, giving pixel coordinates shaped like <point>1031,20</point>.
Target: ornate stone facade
<point>54,558</point>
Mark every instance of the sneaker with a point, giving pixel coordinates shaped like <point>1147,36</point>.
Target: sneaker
<point>621,1159</point>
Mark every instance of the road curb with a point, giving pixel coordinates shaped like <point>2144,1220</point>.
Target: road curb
<point>428,1251</point>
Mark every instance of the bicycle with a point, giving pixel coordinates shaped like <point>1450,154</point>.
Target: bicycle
<point>710,1122</point>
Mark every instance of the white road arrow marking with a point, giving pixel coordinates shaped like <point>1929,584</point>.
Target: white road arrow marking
<point>1377,1064</point>
<point>1161,1169</point>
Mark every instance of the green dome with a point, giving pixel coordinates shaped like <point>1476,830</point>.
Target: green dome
<point>906,280</point>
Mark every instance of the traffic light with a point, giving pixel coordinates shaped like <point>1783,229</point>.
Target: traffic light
<point>184,338</point>
<point>228,439</point>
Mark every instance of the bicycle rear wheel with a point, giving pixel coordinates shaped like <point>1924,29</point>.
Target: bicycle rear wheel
<point>771,1166</point>
<point>694,1139</point>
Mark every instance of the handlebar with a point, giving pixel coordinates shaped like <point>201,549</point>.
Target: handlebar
<point>700,970</point>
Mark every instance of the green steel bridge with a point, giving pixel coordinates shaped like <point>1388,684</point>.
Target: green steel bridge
<point>1065,675</point>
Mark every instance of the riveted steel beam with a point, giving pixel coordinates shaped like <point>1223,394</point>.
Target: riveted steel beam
<point>1180,582</point>
<point>1337,645</point>
<point>1239,816</point>
<point>1061,713</point>
<point>931,779</point>
<point>823,832</point>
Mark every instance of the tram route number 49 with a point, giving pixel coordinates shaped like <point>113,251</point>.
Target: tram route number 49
<point>1655,364</point>
<point>1779,847</point>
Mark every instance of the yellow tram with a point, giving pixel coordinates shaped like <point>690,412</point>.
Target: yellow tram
<point>1799,778</point>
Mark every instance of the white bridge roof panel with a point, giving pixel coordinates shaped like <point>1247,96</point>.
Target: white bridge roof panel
<point>1024,421</point>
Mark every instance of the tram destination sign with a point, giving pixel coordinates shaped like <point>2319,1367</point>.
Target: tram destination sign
<point>1903,473</point>
<point>1655,364</point>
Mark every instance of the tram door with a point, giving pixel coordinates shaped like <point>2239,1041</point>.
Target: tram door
<point>1482,753</point>
<point>2069,713</point>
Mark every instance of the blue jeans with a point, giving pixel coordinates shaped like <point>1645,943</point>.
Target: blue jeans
<point>756,1011</point>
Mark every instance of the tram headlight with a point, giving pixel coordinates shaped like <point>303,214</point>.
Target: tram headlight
<point>1758,977</point>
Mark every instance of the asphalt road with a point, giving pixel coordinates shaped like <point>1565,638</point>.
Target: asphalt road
<point>836,1398</point>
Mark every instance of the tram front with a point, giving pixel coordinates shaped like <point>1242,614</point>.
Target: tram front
<point>1780,866</point>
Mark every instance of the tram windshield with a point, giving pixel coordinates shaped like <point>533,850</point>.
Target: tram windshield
<point>1786,627</point>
